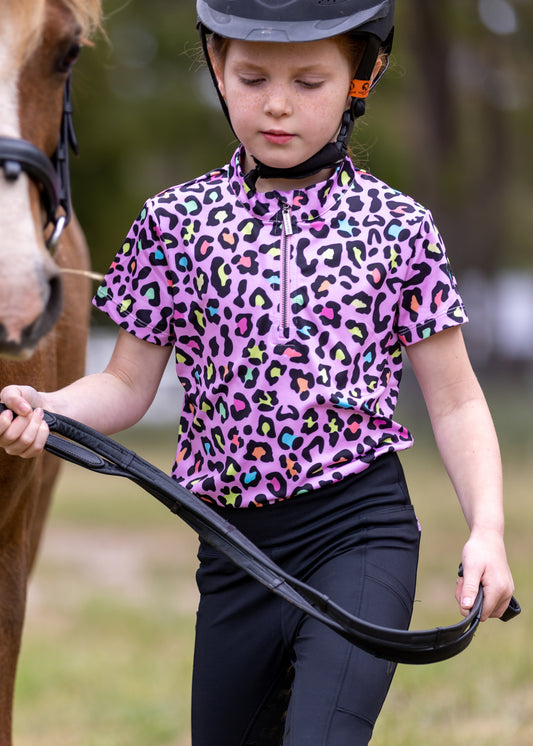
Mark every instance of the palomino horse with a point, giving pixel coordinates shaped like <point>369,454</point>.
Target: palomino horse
<point>39,43</point>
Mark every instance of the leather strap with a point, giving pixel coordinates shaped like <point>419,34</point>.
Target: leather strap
<point>86,447</point>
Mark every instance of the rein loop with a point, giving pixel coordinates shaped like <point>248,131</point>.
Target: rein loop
<point>86,447</point>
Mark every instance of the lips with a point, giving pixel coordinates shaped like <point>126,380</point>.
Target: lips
<point>277,137</point>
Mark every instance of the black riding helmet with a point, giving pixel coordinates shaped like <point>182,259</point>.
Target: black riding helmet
<point>300,21</point>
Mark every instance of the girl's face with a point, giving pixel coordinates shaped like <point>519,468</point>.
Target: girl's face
<point>285,101</point>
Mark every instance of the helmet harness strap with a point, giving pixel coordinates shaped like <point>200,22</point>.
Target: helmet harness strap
<point>332,153</point>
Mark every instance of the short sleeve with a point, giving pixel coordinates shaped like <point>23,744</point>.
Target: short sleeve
<point>429,298</point>
<point>136,292</point>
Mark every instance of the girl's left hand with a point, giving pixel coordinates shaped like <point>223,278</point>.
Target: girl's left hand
<point>484,561</point>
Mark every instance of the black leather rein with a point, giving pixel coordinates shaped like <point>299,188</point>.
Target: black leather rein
<point>86,447</point>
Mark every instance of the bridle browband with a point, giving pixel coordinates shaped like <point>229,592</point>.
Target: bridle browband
<point>86,447</point>
<point>51,175</point>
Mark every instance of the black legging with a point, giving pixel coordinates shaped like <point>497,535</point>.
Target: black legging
<point>266,674</point>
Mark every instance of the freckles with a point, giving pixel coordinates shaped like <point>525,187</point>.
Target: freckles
<point>243,108</point>
<point>325,113</point>
<point>242,111</point>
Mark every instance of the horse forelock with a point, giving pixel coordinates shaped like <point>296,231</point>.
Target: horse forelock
<point>26,23</point>
<point>88,13</point>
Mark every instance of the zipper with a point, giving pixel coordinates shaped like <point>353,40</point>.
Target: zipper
<point>285,267</point>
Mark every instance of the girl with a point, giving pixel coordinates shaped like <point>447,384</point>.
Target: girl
<point>288,283</point>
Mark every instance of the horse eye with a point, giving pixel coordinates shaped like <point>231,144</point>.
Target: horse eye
<point>66,62</point>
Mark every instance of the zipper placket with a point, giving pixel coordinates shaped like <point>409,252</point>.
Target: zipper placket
<point>285,266</point>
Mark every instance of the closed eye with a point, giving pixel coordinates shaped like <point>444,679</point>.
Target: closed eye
<point>309,84</point>
<point>251,81</point>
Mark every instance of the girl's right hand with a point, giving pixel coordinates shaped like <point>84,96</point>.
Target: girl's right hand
<point>24,435</point>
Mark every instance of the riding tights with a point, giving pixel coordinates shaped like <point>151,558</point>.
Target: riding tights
<point>265,673</point>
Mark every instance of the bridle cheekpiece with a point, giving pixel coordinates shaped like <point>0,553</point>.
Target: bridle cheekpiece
<point>51,175</point>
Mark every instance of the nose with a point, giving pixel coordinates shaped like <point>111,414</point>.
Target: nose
<point>278,101</point>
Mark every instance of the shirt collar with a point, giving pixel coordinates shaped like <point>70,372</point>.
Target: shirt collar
<point>307,204</point>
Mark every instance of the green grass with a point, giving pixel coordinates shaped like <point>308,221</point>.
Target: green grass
<point>485,695</point>
<point>106,657</point>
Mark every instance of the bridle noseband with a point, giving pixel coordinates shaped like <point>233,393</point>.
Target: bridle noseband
<point>52,175</point>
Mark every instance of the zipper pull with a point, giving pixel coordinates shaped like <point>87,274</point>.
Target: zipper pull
<point>286,217</point>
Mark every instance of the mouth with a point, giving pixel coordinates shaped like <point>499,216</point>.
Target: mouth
<point>277,137</point>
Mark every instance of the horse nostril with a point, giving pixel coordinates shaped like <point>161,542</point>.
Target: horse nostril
<point>55,300</point>
<point>23,345</point>
<point>33,333</point>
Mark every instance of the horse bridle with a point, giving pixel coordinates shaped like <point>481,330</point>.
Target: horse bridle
<point>51,175</point>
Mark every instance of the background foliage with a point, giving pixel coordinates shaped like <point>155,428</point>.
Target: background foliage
<point>450,123</point>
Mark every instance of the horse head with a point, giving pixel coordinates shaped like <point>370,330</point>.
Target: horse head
<point>40,41</point>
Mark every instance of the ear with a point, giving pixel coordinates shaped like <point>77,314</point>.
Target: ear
<point>219,73</point>
<point>361,88</point>
<point>379,67</point>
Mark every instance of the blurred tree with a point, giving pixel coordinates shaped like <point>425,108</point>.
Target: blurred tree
<point>450,123</point>
<point>145,117</point>
<point>468,87</point>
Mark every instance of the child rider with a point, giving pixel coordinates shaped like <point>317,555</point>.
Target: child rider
<point>288,283</point>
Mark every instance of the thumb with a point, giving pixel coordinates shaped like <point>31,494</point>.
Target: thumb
<point>18,398</point>
<point>469,589</point>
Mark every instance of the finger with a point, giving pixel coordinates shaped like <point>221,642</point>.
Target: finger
<point>496,600</point>
<point>38,443</point>
<point>17,399</point>
<point>20,406</point>
<point>490,606</point>
<point>459,590</point>
<point>500,609</point>
<point>469,589</point>
<point>24,436</point>
<point>17,425</point>
<point>6,418</point>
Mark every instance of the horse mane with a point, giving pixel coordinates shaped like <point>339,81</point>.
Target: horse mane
<point>29,15</point>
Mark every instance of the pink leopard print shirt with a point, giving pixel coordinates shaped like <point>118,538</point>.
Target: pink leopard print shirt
<point>288,312</point>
